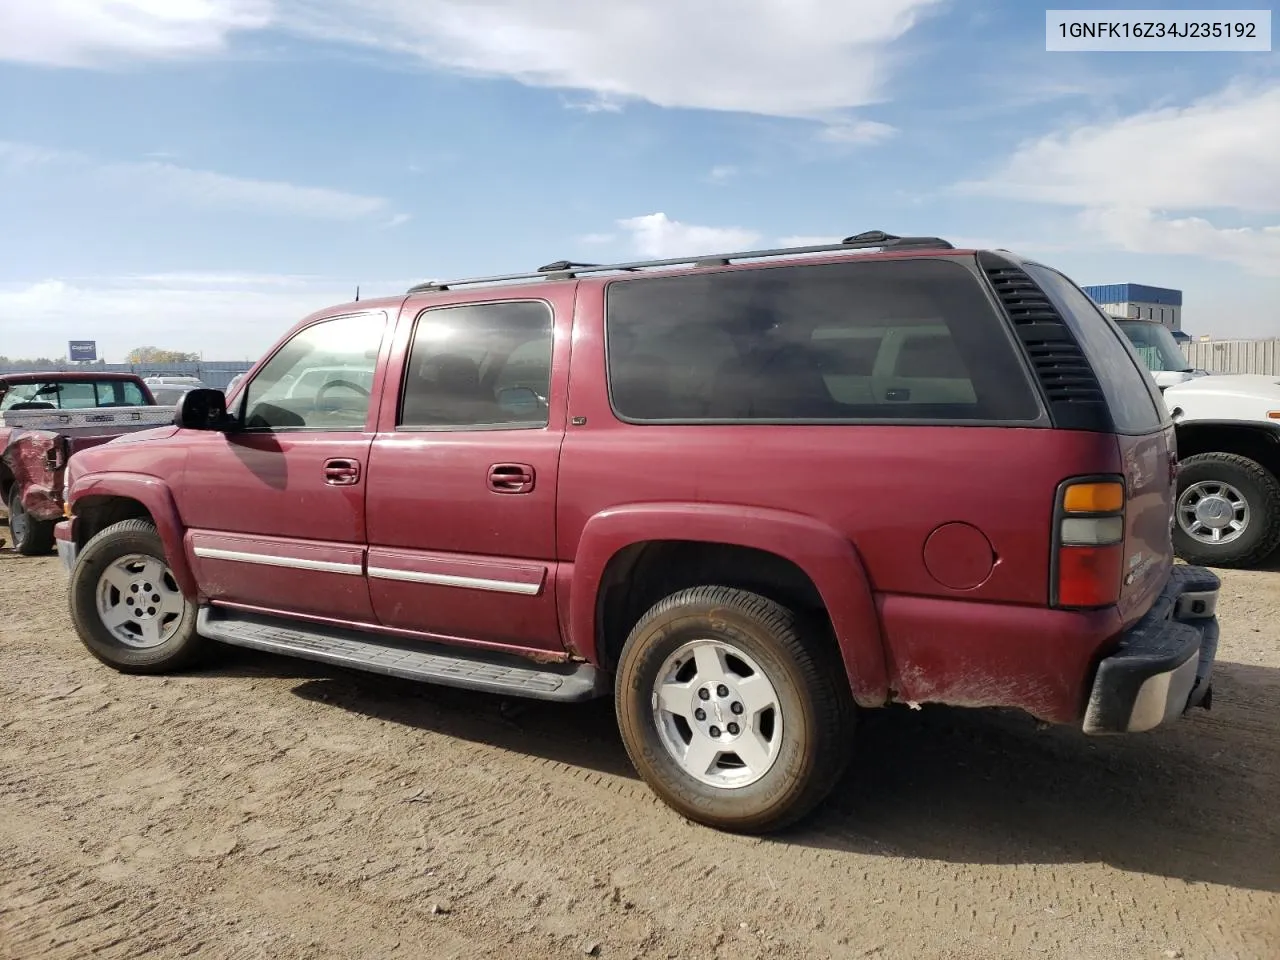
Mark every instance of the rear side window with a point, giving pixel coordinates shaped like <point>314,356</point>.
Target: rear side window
<point>913,340</point>
<point>1134,401</point>
<point>480,366</point>
<point>120,393</point>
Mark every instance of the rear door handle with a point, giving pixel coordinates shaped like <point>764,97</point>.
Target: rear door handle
<point>341,472</point>
<point>511,478</point>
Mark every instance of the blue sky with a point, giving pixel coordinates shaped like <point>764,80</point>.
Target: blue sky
<point>198,174</point>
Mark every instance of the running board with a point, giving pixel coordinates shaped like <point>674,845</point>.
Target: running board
<point>426,662</point>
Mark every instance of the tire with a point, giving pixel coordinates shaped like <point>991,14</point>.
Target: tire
<point>1226,476</point>
<point>31,537</point>
<point>808,731</point>
<point>111,573</point>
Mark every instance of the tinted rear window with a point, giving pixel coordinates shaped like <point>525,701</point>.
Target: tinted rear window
<point>1134,401</point>
<point>76,394</point>
<point>874,340</point>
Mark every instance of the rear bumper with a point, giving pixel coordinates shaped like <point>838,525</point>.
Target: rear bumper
<point>1164,663</point>
<point>63,537</point>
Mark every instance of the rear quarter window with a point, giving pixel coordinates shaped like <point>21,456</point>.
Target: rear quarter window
<point>1132,396</point>
<point>880,340</point>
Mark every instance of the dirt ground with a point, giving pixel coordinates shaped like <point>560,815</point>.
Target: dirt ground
<point>272,808</point>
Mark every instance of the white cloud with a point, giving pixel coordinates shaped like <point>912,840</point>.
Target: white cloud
<point>722,173</point>
<point>1141,231</point>
<point>861,133</point>
<point>81,33</point>
<point>199,188</point>
<point>657,235</point>
<point>1131,176</point>
<point>206,188</point>
<point>17,157</point>
<point>1220,152</point>
<point>227,316</point>
<point>600,103</point>
<point>803,58</point>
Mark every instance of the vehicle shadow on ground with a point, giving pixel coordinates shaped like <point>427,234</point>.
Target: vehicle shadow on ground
<point>1194,802</point>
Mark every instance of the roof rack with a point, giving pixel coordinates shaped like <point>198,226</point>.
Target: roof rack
<point>569,269</point>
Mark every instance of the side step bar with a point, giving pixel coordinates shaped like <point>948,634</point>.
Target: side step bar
<point>427,662</point>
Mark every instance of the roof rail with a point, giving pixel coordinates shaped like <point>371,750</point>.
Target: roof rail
<point>569,269</point>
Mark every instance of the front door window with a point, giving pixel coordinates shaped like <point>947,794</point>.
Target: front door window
<point>321,380</point>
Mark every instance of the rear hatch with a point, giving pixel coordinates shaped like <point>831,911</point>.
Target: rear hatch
<point>1144,435</point>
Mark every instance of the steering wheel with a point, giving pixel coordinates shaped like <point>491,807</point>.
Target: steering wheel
<point>338,383</point>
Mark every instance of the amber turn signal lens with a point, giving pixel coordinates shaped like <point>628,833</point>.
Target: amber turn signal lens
<point>1106,497</point>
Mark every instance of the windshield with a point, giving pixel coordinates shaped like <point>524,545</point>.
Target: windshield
<point>1155,344</point>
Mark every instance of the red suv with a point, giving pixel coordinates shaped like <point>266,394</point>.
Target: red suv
<point>745,494</point>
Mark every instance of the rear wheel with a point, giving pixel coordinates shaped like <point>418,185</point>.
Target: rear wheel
<point>730,715</point>
<point>32,537</point>
<point>1228,511</point>
<point>127,606</point>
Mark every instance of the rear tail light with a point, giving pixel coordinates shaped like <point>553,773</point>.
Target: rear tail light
<point>1088,543</point>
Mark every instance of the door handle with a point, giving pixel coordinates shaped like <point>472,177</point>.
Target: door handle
<point>341,472</point>
<point>511,478</point>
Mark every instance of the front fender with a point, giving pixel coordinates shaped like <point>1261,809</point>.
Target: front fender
<point>827,557</point>
<point>154,494</point>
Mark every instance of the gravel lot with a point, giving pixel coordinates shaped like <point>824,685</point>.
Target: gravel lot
<point>272,808</point>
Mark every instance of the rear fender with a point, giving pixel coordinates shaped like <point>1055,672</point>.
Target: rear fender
<point>825,556</point>
<point>155,496</point>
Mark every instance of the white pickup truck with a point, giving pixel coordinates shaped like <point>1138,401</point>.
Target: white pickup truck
<point>1228,425</point>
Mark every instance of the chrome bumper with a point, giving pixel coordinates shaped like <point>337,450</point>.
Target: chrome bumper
<point>67,549</point>
<point>1163,665</point>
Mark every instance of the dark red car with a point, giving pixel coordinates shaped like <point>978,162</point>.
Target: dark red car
<point>747,495</point>
<point>44,418</point>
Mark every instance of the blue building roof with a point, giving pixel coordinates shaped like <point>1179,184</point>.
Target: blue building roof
<point>1134,293</point>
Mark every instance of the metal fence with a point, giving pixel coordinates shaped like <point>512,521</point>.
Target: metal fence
<point>213,373</point>
<point>1235,356</point>
<point>1216,356</point>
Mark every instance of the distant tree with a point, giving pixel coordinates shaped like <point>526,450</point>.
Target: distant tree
<point>156,355</point>
<point>39,363</point>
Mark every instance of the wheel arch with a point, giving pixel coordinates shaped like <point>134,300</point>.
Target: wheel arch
<point>628,558</point>
<point>98,501</point>
<point>1259,442</point>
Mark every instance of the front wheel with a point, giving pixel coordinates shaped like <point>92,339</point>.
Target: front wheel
<point>1228,511</point>
<point>731,715</point>
<point>127,606</point>
<point>32,537</point>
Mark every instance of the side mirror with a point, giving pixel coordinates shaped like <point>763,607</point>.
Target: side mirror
<point>203,409</point>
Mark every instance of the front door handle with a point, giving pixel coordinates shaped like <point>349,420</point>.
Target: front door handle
<point>341,472</point>
<point>511,478</point>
